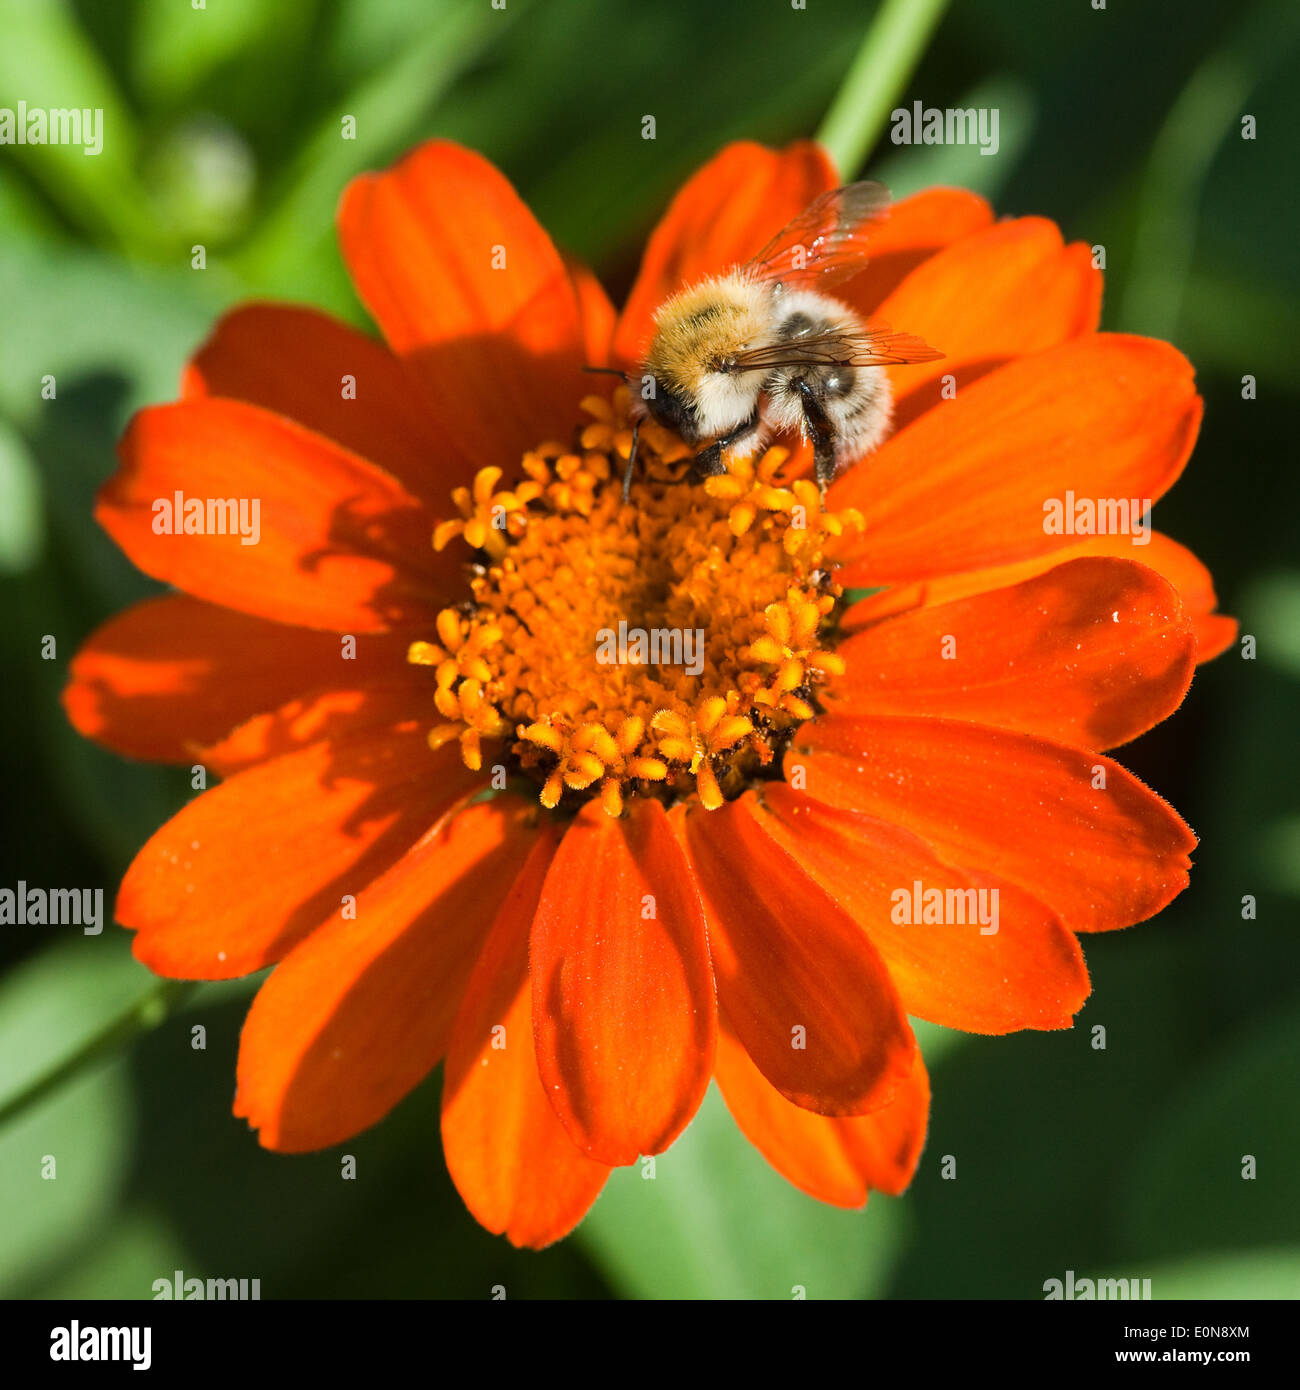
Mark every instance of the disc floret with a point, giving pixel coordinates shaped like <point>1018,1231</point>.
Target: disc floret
<point>668,646</point>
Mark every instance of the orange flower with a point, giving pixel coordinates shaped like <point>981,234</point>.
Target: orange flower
<point>588,885</point>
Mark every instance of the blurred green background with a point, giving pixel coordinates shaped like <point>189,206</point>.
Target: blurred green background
<point>1123,124</point>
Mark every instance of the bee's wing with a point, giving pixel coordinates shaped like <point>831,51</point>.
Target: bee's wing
<point>826,242</point>
<point>877,346</point>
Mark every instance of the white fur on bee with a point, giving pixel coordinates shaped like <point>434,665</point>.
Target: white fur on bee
<point>862,416</point>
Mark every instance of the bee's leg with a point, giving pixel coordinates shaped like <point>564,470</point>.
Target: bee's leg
<point>708,462</point>
<point>631,460</point>
<point>636,426</point>
<point>820,431</point>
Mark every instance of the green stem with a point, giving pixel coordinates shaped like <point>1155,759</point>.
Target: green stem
<point>888,56</point>
<point>144,1014</point>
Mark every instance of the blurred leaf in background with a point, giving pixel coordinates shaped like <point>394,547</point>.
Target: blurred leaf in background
<point>224,127</point>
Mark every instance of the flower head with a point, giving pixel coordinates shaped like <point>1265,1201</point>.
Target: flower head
<point>595,801</point>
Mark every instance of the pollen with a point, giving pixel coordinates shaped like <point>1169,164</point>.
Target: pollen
<point>487,521</point>
<point>668,646</point>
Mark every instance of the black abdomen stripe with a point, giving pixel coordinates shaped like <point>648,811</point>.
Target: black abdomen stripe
<point>798,325</point>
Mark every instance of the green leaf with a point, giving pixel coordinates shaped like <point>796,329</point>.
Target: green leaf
<point>293,253</point>
<point>52,1003</point>
<point>1188,1185</point>
<point>1270,612</point>
<point>21,513</point>
<point>937,1043</point>
<point>177,46</point>
<point>72,1004</point>
<point>1251,1274</point>
<point>85,1128</point>
<point>716,1222</point>
<point>73,305</point>
<point>1234,322</point>
<point>53,1008</point>
<point>132,1247</point>
<point>387,1223</point>
<point>49,63</point>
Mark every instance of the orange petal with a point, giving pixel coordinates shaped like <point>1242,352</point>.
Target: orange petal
<point>470,291</point>
<point>360,1012</point>
<point>833,1159</point>
<point>399,701</point>
<point>623,1003</point>
<point>598,315</point>
<point>916,228</point>
<point>886,1145</point>
<point>233,881</point>
<point>1026,973</point>
<point>341,546</point>
<point>166,676</point>
<point>726,212</point>
<point>1214,631</point>
<point>1093,653</point>
<point>1007,290</point>
<point>510,1158</point>
<point>798,979</point>
<point>1018,807</point>
<point>293,361</point>
<point>1105,416</point>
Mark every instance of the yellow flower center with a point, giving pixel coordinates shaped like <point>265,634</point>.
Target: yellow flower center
<point>668,646</point>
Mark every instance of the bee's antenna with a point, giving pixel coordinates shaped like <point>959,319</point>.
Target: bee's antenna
<point>631,460</point>
<point>609,371</point>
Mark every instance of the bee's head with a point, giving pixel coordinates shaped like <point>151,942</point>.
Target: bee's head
<point>671,406</point>
<point>695,331</point>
